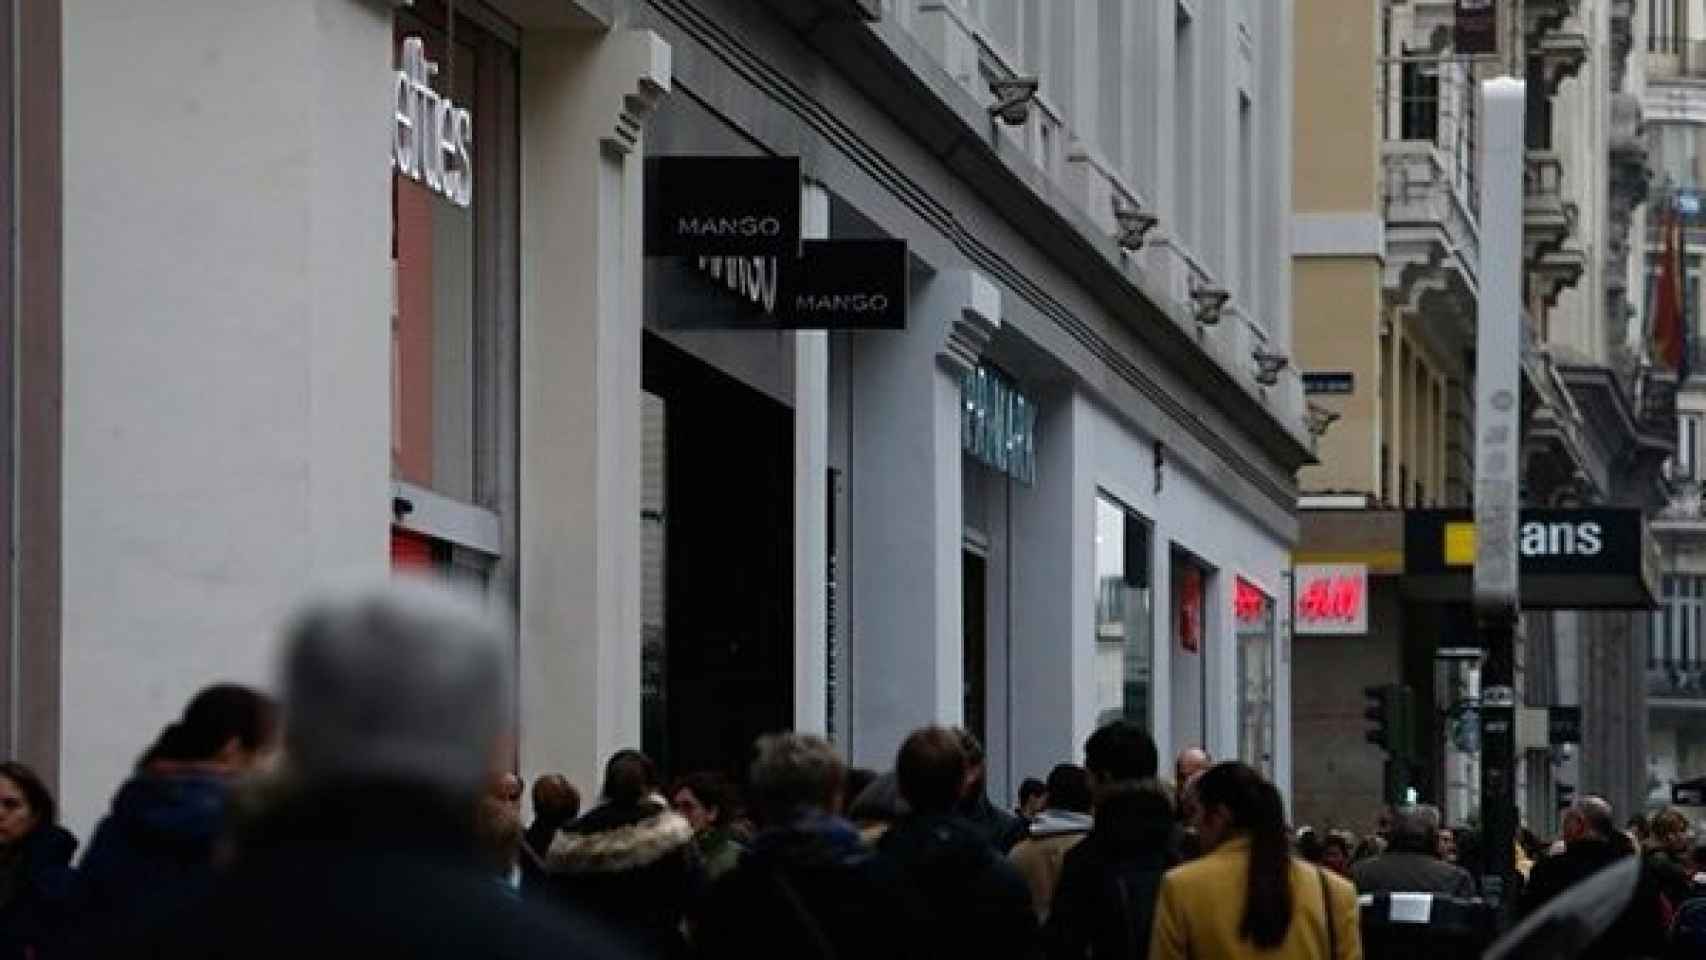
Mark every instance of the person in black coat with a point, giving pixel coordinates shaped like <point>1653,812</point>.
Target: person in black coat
<point>35,866</point>
<point>153,856</point>
<point>398,697</point>
<point>1592,842</point>
<point>808,887</point>
<point>1003,830</point>
<point>556,804</point>
<point>631,860</point>
<point>1104,905</point>
<point>980,904</point>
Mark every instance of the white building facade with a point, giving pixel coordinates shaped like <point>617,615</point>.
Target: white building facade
<point>283,360</point>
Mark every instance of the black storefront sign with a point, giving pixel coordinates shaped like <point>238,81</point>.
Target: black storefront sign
<point>1337,382</point>
<point>1477,27</point>
<point>832,285</point>
<point>1583,559</point>
<point>698,206</point>
<point>1563,725</point>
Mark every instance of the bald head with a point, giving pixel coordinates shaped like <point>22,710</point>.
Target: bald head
<point>1190,762</point>
<point>1589,818</point>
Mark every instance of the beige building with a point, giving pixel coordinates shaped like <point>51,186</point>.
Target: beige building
<point>1386,265</point>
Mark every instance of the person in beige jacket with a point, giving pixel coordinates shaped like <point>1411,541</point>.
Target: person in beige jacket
<point>1248,896</point>
<point>1064,821</point>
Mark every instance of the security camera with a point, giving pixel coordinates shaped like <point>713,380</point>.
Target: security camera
<point>1013,98</point>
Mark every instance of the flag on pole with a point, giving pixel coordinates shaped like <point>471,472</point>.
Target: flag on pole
<point>1670,324</point>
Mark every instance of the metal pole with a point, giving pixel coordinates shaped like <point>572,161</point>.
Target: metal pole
<point>1498,389</point>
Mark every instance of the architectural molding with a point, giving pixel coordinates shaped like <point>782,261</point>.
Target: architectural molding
<point>651,64</point>
<point>969,333</point>
<point>956,133</point>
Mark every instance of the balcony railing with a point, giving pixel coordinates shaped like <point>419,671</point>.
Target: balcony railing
<point>1671,680</point>
<point>1676,58</point>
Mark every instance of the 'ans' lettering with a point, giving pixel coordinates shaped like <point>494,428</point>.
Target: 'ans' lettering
<point>1561,539</point>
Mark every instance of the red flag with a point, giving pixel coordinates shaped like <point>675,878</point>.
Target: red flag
<point>1670,335</point>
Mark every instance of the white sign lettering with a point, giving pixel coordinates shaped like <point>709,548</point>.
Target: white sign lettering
<point>431,137</point>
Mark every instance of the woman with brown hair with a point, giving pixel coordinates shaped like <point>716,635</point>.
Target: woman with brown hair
<point>35,865</point>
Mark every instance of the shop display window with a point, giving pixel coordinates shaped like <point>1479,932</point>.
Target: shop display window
<point>1254,613</point>
<point>1125,615</point>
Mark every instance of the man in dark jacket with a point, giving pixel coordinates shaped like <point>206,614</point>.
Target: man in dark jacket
<point>1411,863</point>
<point>1592,842</point>
<point>398,697</point>
<point>1105,903</point>
<point>807,887</point>
<point>979,904</point>
<point>1000,828</point>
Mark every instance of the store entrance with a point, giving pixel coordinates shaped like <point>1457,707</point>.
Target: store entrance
<point>718,572</point>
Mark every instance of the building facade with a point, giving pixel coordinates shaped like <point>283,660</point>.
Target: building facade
<point>1672,41</point>
<point>1388,273</point>
<point>1063,492</point>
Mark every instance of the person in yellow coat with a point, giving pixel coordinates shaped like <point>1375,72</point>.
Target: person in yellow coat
<point>1248,896</point>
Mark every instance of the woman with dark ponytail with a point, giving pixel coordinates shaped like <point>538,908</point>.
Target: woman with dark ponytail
<point>1284,908</point>
<point>154,854</point>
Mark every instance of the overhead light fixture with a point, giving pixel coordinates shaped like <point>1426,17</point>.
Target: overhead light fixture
<point>1134,223</point>
<point>1268,366</point>
<point>1210,300</point>
<point>1013,98</point>
<point>1320,419</point>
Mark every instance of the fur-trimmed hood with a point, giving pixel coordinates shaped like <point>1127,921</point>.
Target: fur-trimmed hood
<point>613,839</point>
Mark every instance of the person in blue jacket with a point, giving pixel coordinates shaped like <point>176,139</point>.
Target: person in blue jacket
<point>155,855</point>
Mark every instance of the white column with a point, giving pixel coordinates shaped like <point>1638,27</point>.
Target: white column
<point>811,501</point>
<point>906,509</point>
<point>226,350</point>
<point>1053,628</point>
<point>583,99</point>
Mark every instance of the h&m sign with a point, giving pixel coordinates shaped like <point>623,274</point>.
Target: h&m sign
<point>1331,599</point>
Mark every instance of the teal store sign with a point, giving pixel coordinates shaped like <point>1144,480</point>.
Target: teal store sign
<point>998,424</point>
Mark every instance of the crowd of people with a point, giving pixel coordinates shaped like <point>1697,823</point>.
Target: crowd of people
<point>367,812</point>
<point>1411,852</point>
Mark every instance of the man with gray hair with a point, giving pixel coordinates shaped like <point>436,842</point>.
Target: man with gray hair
<point>398,712</point>
<point>1411,862</point>
<point>808,887</point>
<point>1592,842</point>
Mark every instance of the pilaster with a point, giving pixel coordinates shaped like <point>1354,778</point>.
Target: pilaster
<point>585,97</point>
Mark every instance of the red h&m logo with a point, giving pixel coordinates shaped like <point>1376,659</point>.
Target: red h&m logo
<point>1332,599</point>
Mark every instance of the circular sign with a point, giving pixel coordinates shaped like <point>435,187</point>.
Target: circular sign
<point>1503,400</point>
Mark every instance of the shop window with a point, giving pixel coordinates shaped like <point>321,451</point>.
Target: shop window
<point>454,193</point>
<point>453,284</point>
<point>1125,615</point>
<point>1254,612</point>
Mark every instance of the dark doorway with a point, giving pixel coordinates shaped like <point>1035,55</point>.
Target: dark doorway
<point>728,589</point>
<point>974,581</point>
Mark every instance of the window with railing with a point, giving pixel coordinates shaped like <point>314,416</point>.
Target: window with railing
<point>1676,651</point>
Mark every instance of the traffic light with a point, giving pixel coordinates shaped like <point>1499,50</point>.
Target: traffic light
<point>1391,712</point>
